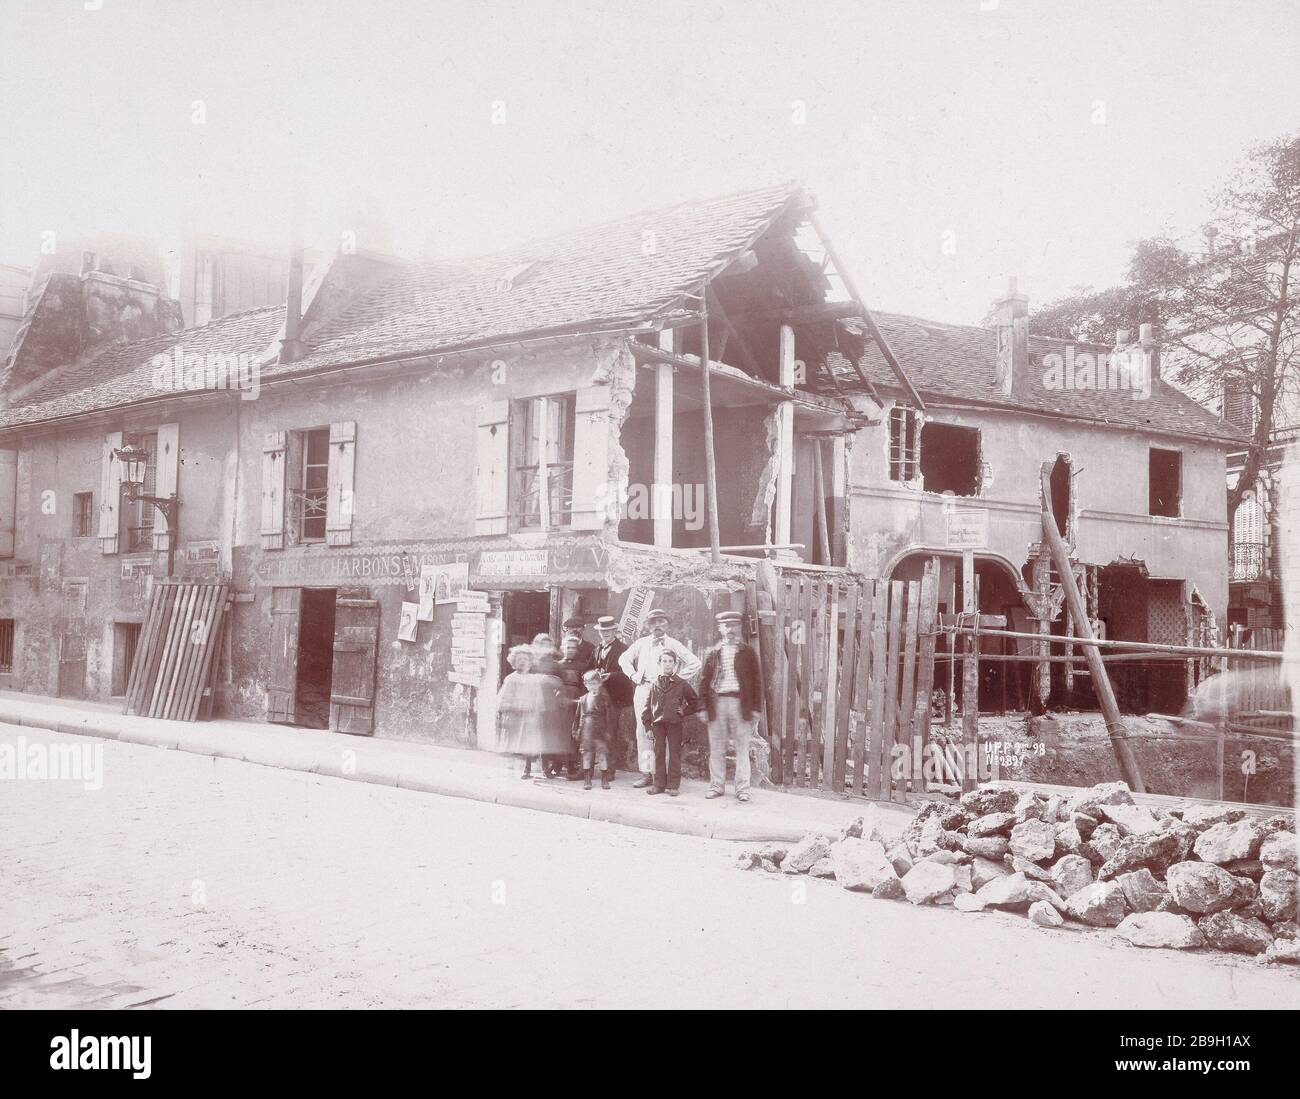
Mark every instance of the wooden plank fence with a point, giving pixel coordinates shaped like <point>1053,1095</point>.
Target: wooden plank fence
<point>177,655</point>
<point>855,681</point>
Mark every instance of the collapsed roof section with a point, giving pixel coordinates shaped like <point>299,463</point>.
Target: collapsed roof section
<point>638,274</point>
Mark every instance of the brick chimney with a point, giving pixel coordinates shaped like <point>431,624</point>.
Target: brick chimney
<point>1011,320</point>
<point>1151,346</point>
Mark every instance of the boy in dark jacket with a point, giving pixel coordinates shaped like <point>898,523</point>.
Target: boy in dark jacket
<point>669,700</point>
<point>593,724</point>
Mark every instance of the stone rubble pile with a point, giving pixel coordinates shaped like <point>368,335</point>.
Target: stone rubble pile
<point>1203,876</point>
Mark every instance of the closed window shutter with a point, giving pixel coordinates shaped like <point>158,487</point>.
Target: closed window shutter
<point>1248,526</point>
<point>110,493</point>
<point>338,503</point>
<point>493,474</point>
<point>167,459</point>
<point>8,500</point>
<point>273,455</point>
<point>590,458</point>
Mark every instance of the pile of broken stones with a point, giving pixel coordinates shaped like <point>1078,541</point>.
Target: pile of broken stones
<point>1199,876</point>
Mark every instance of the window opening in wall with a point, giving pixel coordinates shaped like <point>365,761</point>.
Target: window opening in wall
<point>541,473</point>
<point>83,514</point>
<point>1247,540</point>
<point>6,645</point>
<point>313,486</point>
<point>950,459</point>
<point>1166,477</point>
<point>1240,408</point>
<point>902,443</point>
<point>138,516</point>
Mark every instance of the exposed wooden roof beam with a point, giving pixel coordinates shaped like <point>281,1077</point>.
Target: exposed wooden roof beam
<point>865,313</point>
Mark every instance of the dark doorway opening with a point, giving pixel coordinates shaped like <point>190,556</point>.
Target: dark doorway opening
<point>126,636</point>
<point>315,657</point>
<point>525,614</point>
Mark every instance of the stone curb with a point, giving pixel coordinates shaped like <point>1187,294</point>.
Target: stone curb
<point>311,759</point>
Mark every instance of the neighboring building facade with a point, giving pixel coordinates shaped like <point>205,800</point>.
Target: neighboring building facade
<point>13,301</point>
<point>1135,477</point>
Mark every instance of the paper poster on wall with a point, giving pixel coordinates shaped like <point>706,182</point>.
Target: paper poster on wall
<point>441,584</point>
<point>407,627</point>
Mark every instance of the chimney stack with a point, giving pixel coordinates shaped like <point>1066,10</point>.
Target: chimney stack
<point>291,346</point>
<point>1011,317</point>
<point>1150,350</point>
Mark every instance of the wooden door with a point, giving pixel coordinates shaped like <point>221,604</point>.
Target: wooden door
<point>72,641</point>
<point>352,681</point>
<point>282,674</point>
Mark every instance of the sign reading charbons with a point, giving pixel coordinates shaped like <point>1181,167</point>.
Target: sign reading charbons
<point>581,563</point>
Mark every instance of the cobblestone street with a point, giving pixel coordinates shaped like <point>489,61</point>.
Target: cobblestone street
<point>188,881</point>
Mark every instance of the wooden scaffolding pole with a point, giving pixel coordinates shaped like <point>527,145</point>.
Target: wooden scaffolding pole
<point>710,460</point>
<point>1115,727</point>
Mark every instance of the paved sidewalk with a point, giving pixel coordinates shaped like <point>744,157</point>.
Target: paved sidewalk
<point>453,772</point>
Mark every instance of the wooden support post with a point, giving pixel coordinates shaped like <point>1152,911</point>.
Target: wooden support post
<point>830,719</point>
<point>1043,589</point>
<point>781,535</point>
<point>1100,678</point>
<point>819,504</point>
<point>710,458</point>
<point>839,487</point>
<point>970,673</point>
<point>662,490</point>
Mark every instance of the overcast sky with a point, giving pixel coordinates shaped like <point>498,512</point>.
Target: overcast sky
<point>1038,137</point>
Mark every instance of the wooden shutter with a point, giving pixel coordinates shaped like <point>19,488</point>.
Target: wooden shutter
<point>338,502</point>
<point>352,681</point>
<point>110,493</point>
<point>493,475</point>
<point>590,458</point>
<point>167,458</point>
<point>8,500</point>
<point>282,669</point>
<point>273,469</point>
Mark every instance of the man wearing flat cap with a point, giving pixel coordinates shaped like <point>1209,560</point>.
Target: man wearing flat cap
<point>640,663</point>
<point>731,688</point>
<point>620,689</point>
<point>585,655</point>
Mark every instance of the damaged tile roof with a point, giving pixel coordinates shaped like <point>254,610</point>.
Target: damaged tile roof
<point>950,363</point>
<point>610,275</point>
<point>616,273</point>
<point>123,374</point>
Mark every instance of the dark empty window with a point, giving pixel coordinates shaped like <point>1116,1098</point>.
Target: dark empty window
<point>902,443</point>
<point>1166,479</point>
<point>950,459</point>
<point>83,514</point>
<point>6,645</point>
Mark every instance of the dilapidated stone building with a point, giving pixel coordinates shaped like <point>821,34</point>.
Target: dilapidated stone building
<point>533,426</point>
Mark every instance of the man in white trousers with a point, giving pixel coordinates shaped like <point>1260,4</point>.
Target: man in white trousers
<point>640,663</point>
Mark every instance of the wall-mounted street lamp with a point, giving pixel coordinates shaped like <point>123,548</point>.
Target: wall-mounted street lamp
<point>135,462</point>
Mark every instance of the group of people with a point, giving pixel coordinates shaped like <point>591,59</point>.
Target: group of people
<point>578,710</point>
